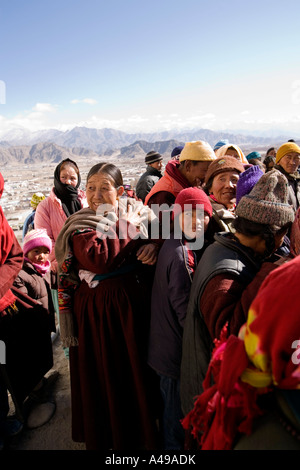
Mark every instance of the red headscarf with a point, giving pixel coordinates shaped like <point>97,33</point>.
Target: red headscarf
<point>6,243</point>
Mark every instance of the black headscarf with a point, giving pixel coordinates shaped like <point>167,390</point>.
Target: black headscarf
<point>65,192</point>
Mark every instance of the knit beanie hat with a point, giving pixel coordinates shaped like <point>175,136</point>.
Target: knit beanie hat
<point>220,144</point>
<point>36,238</point>
<point>285,149</point>
<point>198,151</point>
<point>192,196</point>
<point>221,152</point>
<point>153,157</point>
<point>220,165</point>
<point>251,155</point>
<point>36,199</point>
<point>247,180</point>
<point>267,202</point>
<point>176,151</point>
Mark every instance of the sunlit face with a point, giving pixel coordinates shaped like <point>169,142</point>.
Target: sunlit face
<point>69,176</point>
<point>272,153</point>
<point>233,153</point>
<point>157,165</point>
<point>290,162</point>
<point>195,174</point>
<point>101,190</point>
<point>38,255</point>
<point>192,223</point>
<point>224,188</point>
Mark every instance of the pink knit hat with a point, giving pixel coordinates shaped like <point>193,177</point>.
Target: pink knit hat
<point>36,238</point>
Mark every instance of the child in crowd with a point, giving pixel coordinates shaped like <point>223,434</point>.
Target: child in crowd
<point>29,221</point>
<point>175,268</point>
<point>34,280</point>
<point>34,277</point>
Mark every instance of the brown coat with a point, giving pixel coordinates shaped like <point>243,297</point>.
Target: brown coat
<point>31,282</point>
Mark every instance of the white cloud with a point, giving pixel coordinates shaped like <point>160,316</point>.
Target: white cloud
<point>31,120</point>
<point>44,108</point>
<point>137,119</point>
<point>90,101</point>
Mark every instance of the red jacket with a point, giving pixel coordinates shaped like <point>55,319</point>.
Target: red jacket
<point>171,183</point>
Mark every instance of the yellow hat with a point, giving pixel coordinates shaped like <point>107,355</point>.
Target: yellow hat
<point>199,151</point>
<point>36,199</point>
<point>285,149</point>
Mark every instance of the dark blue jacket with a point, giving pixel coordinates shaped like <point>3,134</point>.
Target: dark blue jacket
<point>170,293</point>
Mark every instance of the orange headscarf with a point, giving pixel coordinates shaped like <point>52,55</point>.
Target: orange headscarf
<point>221,152</point>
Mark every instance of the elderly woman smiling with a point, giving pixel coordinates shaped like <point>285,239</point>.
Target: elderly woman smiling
<point>220,185</point>
<point>103,254</point>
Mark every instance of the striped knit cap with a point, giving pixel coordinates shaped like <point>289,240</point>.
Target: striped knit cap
<point>36,238</point>
<point>153,157</point>
<point>267,203</point>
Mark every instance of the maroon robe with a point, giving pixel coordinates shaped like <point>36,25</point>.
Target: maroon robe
<point>114,392</point>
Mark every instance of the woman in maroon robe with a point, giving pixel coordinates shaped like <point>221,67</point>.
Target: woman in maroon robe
<point>105,260</point>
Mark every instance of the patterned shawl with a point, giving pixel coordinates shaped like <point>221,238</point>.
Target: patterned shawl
<point>136,218</point>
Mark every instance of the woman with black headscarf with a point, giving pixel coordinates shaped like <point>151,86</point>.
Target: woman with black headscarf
<point>64,200</point>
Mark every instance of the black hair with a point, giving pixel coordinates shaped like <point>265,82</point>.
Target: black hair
<point>110,170</point>
<point>269,150</point>
<point>257,162</point>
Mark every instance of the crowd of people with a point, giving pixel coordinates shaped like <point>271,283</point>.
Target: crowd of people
<point>176,302</point>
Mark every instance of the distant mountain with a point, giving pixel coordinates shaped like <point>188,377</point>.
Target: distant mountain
<point>103,140</point>
<point>39,153</point>
<point>22,146</point>
<point>141,147</point>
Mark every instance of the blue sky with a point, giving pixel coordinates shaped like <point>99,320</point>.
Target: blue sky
<point>135,65</point>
